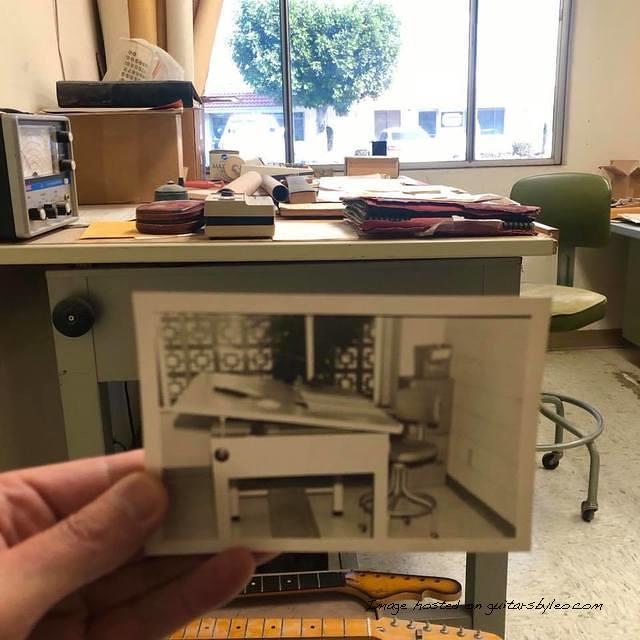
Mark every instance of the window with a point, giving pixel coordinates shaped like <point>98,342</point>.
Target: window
<point>404,72</point>
<point>428,121</point>
<point>298,126</point>
<point>491,121</point>
<point>385,120</point>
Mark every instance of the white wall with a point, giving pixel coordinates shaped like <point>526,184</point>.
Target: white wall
<point>31,425</point>
<point>489,360</point>
<point>29,53</point>
<point>603,121</point>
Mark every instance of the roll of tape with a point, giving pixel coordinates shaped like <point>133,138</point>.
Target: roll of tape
<point>231,167</point>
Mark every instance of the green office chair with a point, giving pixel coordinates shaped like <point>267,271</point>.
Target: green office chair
<point>578,205</point>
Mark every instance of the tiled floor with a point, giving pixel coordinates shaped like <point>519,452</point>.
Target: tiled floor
<point>570,560</point>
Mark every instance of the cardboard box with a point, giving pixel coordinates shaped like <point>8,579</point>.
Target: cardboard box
<point>122,157</point>
<point>368,165</point>
<point>193,146</point>
<point>624,176</point>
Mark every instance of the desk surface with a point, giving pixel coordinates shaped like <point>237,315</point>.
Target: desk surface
<point>266,400</point>
<point>626,229</point>
<point>295,240</point>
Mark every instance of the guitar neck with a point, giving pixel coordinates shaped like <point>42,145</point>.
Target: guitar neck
<point>372,587</point>
<point>299,628</point>
<point>258,628</point>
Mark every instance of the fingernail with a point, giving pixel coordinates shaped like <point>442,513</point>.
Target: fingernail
<point>142,495</point>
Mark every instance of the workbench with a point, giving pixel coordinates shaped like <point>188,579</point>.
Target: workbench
<point>305,256</point>
<point>631,304</point>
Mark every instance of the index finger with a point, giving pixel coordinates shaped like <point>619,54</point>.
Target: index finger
<point>68,486</point>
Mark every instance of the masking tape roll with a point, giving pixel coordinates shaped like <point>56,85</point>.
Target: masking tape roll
<point>231,167</point>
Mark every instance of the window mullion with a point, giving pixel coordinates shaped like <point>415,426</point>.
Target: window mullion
<point>287,98</point>
<point>471,82</point>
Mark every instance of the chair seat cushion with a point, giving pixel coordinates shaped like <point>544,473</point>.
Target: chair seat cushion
<point>571,308</point>
<point>412,452</point>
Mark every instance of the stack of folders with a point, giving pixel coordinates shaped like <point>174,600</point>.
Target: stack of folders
<point>427,217</point>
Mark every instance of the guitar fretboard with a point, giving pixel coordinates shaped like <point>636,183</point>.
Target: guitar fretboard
<point>259,628</point>
<point>278,583</point>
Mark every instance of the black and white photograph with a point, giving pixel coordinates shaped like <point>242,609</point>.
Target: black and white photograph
<point>340,422</point>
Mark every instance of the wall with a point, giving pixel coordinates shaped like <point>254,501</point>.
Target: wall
<point>489,357</point>
<point>30,60</point>
<point>602,124</point>
<point>31,426</point>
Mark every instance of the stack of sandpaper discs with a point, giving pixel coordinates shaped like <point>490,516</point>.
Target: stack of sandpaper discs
<point>170,217</point>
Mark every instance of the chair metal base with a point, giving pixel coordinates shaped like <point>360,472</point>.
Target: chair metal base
<point>555,451</point>
<point>403,502</point>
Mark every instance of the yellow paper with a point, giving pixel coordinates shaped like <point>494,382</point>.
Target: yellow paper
<point>110,229</point>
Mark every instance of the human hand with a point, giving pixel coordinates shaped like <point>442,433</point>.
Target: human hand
<point>71,566</point>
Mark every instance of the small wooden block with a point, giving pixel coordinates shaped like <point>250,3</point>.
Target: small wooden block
<point>238,627</point>
<point>333,627</point>
<point>356,628</point>
<point>369,165</point>
<point>291,627</point>
<point>272,627</point>
<point>222,629</point>
<point>311,627</point>
<point>255,628</point>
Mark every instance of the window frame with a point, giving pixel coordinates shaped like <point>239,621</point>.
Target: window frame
<point>565,18</point>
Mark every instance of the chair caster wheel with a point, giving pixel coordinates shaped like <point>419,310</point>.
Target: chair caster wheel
<point>587,512</point>
<point>550,460</point>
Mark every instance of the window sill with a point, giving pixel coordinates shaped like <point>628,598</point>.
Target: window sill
<point>456,164</point>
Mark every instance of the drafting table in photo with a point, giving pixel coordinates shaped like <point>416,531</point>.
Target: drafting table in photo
<point>331,422</point>
<point>344,628</point>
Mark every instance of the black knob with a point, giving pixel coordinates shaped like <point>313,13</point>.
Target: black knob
<point>73,317</point>
<point>64,136</point>
<point>37,213</point>
<point>50,211</point>
<point>63,208</point>
<point>67,165</point>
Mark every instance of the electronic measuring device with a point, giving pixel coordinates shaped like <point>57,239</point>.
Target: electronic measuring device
<point>37,175</point>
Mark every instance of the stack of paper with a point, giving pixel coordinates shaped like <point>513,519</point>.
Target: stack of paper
<point>465,215</point>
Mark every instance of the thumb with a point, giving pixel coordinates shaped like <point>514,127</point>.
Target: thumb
<point>83,547</point>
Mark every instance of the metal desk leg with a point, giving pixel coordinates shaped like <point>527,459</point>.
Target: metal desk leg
<point>486,584</point>
<point>77,376</point>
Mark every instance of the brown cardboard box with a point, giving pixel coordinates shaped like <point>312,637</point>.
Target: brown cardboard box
<point>624,176</point>
<point>193,142</point>
<point>368,165</point>
<point>122,157</point>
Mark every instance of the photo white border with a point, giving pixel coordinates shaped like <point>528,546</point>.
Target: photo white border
<point>148,305</point>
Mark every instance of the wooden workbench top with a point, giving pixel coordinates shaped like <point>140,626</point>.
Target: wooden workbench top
<point>294,241</point>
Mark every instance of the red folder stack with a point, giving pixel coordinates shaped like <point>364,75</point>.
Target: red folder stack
<point>416,217</point>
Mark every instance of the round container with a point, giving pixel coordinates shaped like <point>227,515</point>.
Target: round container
<point>217,158</point>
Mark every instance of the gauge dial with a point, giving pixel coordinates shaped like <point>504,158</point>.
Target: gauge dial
<point>36,150</point>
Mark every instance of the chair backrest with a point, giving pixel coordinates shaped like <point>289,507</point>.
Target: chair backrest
<point>577,204</point>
